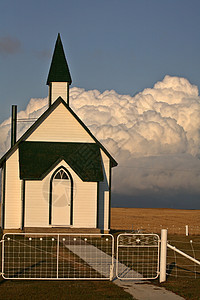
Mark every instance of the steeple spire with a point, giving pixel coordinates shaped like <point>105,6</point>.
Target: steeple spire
<point>59,71</point>
<point>59,77</point>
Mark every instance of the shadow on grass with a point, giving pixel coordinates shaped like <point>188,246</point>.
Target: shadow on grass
<point>2,280</point>
<point>23,271</point>
<point>170,268</point>
<point>173,265</point>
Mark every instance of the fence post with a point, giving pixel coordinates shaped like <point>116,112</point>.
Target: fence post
<point>163,255</point>
<point>2,256</point>
<point>111,272</point>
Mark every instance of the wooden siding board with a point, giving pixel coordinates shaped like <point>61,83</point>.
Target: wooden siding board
<point>104,194</point>
<point>84,202</point>
<point>37,203</point>
<point>3,188</point>
<point>13,204</point>
<point>59,89</point>
<point>60,126</point>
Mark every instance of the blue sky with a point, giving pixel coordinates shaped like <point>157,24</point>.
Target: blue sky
<point>125,46</point>
<point>122,45</point>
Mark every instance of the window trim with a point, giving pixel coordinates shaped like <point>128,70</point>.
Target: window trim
<point>51,190</point>
<point>61,175</point>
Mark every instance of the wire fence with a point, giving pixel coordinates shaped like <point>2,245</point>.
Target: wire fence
<point>185,238</point>
<point>178,265</point>
<point>172,229</point>
<point>57,256</point>
<point>91,256</point>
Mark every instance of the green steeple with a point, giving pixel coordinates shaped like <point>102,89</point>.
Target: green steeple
<point>59,71</point>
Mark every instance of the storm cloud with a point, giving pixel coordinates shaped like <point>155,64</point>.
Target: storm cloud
<point>154,136</point>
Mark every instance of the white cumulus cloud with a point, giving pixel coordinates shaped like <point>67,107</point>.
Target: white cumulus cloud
<point>153,135</point>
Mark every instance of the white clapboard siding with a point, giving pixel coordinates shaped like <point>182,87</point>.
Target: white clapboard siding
<point>60,126</point>
<point>104,194</point>
<point>59,89</point>
<point>84,200</point>
<point>2,181</point>
<point>85,204</point>
<point>37,201</point>
<point>13,195</point>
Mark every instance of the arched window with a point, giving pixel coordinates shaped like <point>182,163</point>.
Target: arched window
<point>61,198</point>
<point>61,175</point>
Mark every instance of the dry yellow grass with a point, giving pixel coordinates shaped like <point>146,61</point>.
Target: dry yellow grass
<point>154,219</point>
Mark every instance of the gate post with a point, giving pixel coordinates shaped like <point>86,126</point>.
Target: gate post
<point>163,255</point>
<point>2,256</point>
<point>186,230</point>
<point>111,272</point>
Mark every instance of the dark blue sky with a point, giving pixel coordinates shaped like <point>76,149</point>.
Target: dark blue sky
<point>122,45</point>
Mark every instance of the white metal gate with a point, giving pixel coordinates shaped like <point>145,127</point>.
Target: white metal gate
<point>137,256</point>
<point>57,256</point>
<point>79,256</point>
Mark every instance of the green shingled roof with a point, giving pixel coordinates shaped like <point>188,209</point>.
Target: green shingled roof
<point>37,159</point>
<point>59,71</point>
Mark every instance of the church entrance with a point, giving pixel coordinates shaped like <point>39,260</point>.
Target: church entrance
<point>61,198</point>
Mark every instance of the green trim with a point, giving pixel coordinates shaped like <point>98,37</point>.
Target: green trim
<point>59,70</point>
<point>67,94</point>
<point>97,220</point>
<point>109,214</point>
<point>72,202</point>
<point>50,195</point>
<point>42,118</point>
<point>50,202</point>
<point>23,203</point>
<point>50,94</point>
<point>3,197</point>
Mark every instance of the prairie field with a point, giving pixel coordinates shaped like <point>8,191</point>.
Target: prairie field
<point>183,277</point>
<point>154,219</point>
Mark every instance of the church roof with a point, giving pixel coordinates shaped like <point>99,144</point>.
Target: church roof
<point>41,119</point>
<point>37,159</point>
<point>59,71</point>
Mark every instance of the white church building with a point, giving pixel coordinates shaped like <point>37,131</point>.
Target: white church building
<point>57,175</point>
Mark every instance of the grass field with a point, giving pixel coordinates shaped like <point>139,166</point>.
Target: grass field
<point>184,276</point>
<point>53,290</point>
<point>154,219</point>
<point>180,280</point>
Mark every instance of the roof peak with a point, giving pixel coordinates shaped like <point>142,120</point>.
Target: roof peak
<point>59,71</point>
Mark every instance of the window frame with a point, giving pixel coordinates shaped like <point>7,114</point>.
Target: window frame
<point>51,193</point>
